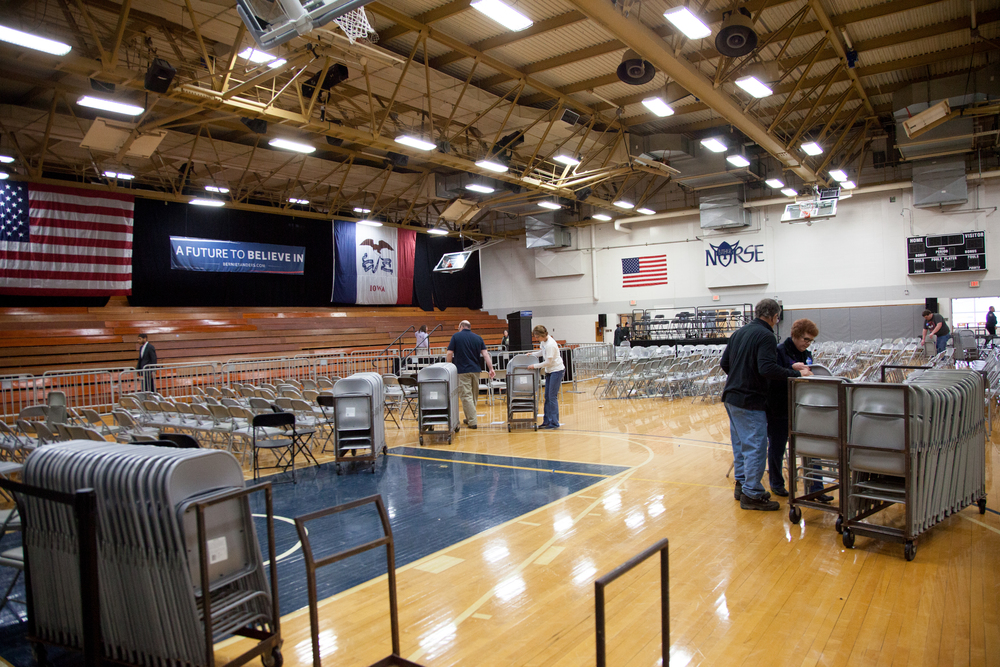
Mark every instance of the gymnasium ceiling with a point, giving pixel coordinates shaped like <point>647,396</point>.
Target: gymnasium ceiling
<point>484,86</point>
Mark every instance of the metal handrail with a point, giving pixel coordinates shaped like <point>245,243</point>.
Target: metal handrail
<point>396,340</point>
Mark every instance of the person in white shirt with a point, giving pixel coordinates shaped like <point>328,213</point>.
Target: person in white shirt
<point>554,369</point>
<point>423,338</point>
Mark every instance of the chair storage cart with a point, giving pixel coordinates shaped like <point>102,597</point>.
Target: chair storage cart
<point>359,419</point>
<point>437,401</point>
<point>522,391</point>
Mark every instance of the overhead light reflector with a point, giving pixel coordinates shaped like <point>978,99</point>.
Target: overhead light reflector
<point>714,144</point>
<point>789,192</point>
<point>437,231</point>
<point>839,175</point>
<point>658,106</point>
<point>118,175</point>
<point>197,201</point>
<point>4,175</point>
<point>415,142</point>
<point>645,211</point>
<point>214,188</point>
<point>35,42</point>
<point>567,160</point>
<point>812,148</point>
<point>301,202</point>
<point>689,24</point>
<point>775,183</point>
<point>503,14</point>
<point>551,205</point>
<point>255,56</point>
<point>622,203</point>
<point>108,105</point>
<point>370,223</point>
<point>360,209</point>
<point>6,159</point>
<point>754,86</point>
<point>476,187</point>
<point>292,146</point>
<point>492,166</point>
<point>737,161</point>
<point>601,216</point>
<point>848,185</point>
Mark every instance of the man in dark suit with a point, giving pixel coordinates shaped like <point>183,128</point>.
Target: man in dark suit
<point>147,357</point>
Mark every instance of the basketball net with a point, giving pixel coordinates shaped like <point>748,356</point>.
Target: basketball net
<point>356,26</point>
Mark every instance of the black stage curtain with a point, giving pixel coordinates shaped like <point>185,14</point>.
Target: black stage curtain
<point>462,289</point>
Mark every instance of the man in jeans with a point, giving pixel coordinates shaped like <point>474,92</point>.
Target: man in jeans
<point>934,324</point>
<point>464,350</point>
<point>750,360</point>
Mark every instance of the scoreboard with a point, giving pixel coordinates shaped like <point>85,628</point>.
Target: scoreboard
<point>946,253</point>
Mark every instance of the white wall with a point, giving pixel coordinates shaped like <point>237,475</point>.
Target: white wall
<point>855,258</point>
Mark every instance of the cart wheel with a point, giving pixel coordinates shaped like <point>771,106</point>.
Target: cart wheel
<point>982,505</point>
<point>848,538</point>
<point>839,527</point>
<point>536,427</point>
<point>910,550</point>
<point>449,438</point>
<point>508,428</point>
<point>40,653</point>
<point>338,468</point>
<point>274,660</point>
<point>457,429</point>
<point>794,514</point>
<point>421,441</point>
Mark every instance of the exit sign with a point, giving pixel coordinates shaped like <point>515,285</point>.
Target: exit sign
<point>973,283</point>
<point>715,297</point>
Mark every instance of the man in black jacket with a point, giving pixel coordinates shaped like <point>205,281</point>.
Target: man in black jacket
<point>147,357</point>
<point>750,360</point>
<point>991,325</point>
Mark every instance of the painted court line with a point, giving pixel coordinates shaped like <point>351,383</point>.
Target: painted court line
<point>980,523</point>
<point>550,555</point>
<point>500,465</point>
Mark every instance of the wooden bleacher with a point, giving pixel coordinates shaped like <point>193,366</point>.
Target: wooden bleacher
<point>35,340</point>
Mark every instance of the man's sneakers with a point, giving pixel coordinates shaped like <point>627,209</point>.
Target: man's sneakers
<point>762,504</point>
<point>739,491</point>
<point>780,491</point>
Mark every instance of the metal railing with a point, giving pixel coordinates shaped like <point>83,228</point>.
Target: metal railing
<point>95,388</point>
<point>173,381</point>
<point>591,360</point>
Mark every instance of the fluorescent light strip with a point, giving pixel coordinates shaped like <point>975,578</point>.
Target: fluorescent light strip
<point>415,142</point>
<point>6,159</point>
<point>775,183</point>
<point>302,202</point>
<point>197,201</point>
<point>714,144</point>
<point>118,175</point>
<point>551,205</point>
<point>848,185</point>
<point>622,203</point>
<point>292,146</point>
<point>255,56</point>
<point>789,192</point>
<point>437,231</point>
<point>35,42</point>
<point>601,216</point>
<point>359,209</point>
<point>476,187</point>
<point>657,106</point>
<point>492,166</point>
<point>812,148</point>
<point>370,223</point>
<point>687,23</point>
<point>4,175</point>
<point>838,175</point>
<point>737,161</point>
<point>754,86</point>
<point>108,105</point>
<point>213,188</point>
<point>645,211</point>
<point>503,14</point>
<point>567,160</point>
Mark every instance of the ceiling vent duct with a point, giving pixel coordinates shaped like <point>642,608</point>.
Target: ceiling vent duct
<point>736,37</point>
<point>940,182</point>
<point>540,233</point>
<point>723,210</point>
<point>634,70</point>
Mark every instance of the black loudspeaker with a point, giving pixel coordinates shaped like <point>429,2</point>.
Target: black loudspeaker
<point>930,303</point>
<point>397,160</point>
<point>634,70</point>
<point>519,330</point>
<point>602,320</point>
<point>159,76</point>
<point>257,125</point>
<point>102,86</point>
<point>336,74</point>
<point>736,37</point>
<point>570,117</point>
<point>334,141</point>
<point>581,195</point>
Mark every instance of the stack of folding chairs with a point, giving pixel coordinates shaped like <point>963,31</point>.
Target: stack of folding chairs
<point>150,576</point>
<point>437,400</point>
<point>359,419</point>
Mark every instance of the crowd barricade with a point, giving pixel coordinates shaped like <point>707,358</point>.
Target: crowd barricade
<point>18,392</point>
<point>591,360</point>
<point>268,370</point>
<point>95,388</point>
<point>373,361</point>
<point>172,381</point>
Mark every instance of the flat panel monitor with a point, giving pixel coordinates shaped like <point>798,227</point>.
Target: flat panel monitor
<point>453,261</point>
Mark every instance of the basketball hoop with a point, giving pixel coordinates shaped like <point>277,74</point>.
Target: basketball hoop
<point>356,26</point>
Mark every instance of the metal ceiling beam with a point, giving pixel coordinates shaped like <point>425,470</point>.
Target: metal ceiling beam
<point>437,14</point>
<point>833,36</point>
<point>645,41</point>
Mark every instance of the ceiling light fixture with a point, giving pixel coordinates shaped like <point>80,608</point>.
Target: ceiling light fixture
<point>360,209</point>
<point>848,185</point>
<point>492,166</point>
<point>415,142</point>
<point>645,211</point>
<point>6,159</point>
<point>292,146</point>
<point>370,223</point>
<point>503,14</point>
<point>754,86</point>
<point>714,144</point>
<point>437,231</point>
<point>838,175</point>
<point>301,202</point>
<point>689,24</point>
<point>215,188</point>
<point>812,148</point>
<point>255,56</point>
<point>624,203</point>
<point>4,175</point>
<point>198,201</point>
<point>35,42</point>
<point>108,105</point>
<point>775,183</point>
<point>601,216</point>
<point>549,204</point>
<point>789,192</point>
<point>119,175</point>
<point>737,160</point>
<point>658,107</point>
<point>476,187</point>
<point>567,160</point>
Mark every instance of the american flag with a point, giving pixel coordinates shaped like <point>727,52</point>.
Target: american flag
<point>60,241</point>
<point>644,271</point>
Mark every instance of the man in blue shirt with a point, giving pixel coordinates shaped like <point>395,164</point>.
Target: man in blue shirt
<point>464,350</point>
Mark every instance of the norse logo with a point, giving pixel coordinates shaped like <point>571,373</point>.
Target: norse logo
<point>723,254</point>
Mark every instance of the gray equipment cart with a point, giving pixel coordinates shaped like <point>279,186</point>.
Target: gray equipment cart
<point>359,419</point>
<point>437,401</point>
<point>523,383</point>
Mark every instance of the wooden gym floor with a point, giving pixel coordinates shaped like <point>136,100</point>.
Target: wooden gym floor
<point>746,588</point>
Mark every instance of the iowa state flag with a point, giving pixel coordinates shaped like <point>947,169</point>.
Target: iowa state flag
<point>372,265</point>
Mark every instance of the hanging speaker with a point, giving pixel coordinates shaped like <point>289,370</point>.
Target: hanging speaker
<point>736,38</point>
<point>581,195</point>
<point>634,70</point>
<point>336,74</point>
<point>102,86</point>
<point>397,160</point>
<point>159,76</point>
<point>257,125</point>
<point>570,117</point>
